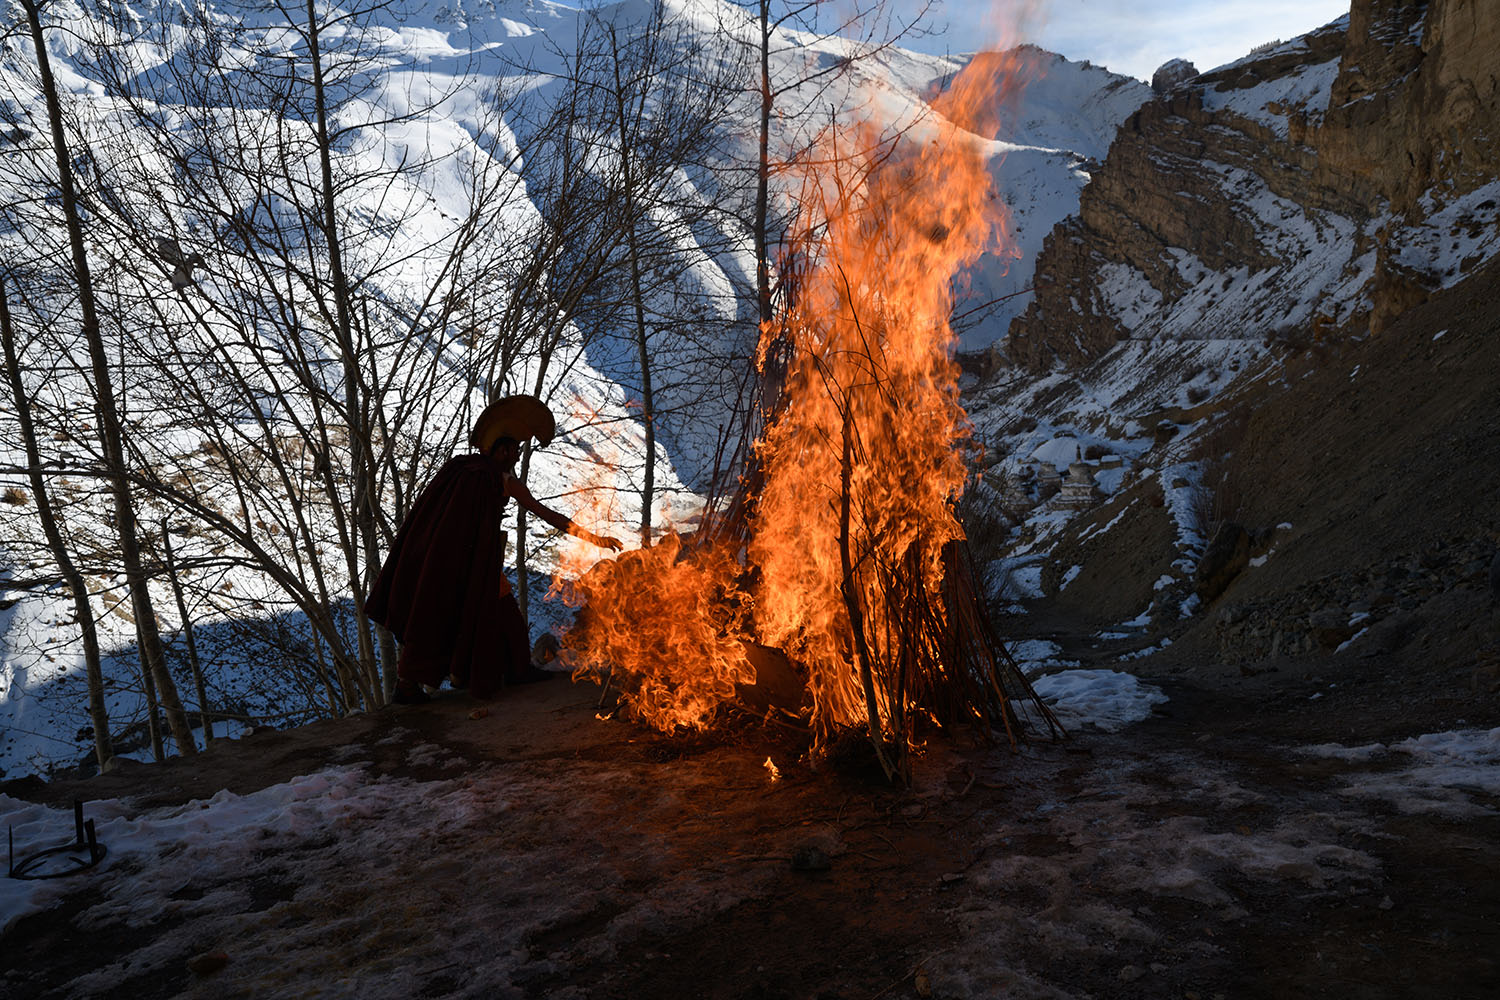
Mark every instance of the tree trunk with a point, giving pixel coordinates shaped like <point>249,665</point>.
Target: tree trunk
<point>93,669</point>
<point>388,658</point>
<point>111,435</point>
<point>153,716</point>
<point>760,224</point>
<point>187,634</point>
<point>632,250</point>
<point>523,589</point>
<point>363,521</point>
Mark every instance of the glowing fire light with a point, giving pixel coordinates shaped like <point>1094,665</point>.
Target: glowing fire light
<point>862,462</point>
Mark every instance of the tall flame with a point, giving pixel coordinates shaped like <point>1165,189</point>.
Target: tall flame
<point>863,458</point>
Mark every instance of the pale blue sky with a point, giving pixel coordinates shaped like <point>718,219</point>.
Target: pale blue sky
<point>1136,36</point>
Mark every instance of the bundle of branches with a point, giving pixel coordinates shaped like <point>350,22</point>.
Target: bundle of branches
<point>840,546</point>
<point>690,627</point>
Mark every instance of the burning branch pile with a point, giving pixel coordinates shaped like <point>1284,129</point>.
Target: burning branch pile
<point>844,553</point>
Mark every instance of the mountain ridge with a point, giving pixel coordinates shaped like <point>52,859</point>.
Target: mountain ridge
<point>1318,182</point>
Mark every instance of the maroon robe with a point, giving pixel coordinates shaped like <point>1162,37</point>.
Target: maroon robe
<point>442,590</point>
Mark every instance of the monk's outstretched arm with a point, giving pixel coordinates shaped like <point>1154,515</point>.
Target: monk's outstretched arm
<point>523,496</point>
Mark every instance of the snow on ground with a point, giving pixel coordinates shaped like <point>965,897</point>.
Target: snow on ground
<point>1455,236</point>
<point>1109,700</point>
<point>266,877</point>
<point>1141,653</point>
<point>1138,840</point>
<point>1020,578</point>
<point>1036,655</point>
<point>1435,773</point>
<point>1272,102</point>
<point>340,880</point>
<point>152,853</point>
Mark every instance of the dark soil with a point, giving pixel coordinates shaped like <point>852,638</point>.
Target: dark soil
<point>862,890</point>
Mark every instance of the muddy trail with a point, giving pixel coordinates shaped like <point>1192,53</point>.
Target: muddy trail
<point>541,852</point>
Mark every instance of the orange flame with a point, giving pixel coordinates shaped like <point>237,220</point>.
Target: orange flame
<point>864,458</point>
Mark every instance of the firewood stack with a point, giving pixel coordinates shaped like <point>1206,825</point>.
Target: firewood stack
<point>837,543</point>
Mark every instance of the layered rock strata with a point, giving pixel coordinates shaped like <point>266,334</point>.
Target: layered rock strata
<point>1326,184</point>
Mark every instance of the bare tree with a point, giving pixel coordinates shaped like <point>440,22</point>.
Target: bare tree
<point>620,166</point>
<point>867,29</point>
<point>665,101</point>
<point>111,434</point>
<point>98,711</point>
<point>341,349</point>
<point>297,360</point>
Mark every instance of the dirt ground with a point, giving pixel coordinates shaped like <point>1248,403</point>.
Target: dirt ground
<point>1193,855</point>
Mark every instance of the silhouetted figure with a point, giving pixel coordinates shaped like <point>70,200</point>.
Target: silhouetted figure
<point>442,590</point>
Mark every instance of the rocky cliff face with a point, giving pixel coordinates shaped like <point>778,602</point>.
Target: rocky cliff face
<point>1328,183</point>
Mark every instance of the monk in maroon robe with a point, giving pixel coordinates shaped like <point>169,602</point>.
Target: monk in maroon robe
<point>442,591</point>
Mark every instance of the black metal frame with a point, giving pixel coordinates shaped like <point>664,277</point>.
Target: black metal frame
<point>84,840</point>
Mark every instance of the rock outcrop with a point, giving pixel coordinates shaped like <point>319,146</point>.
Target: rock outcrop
<point>1225,558</point>
<point>1170,73</point>
<point>1326,184</point>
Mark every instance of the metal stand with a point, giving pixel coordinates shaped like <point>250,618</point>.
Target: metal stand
<point>84,840</point>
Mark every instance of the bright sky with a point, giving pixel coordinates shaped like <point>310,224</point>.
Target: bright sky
<point>1134,37</point>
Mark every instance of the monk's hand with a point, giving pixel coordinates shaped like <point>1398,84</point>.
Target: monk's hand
<point>607,542</point>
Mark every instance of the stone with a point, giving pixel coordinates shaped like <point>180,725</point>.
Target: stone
<point>1390,634</point>
<point>1329,639</point>
<point>1170,73</point>
<point>1328,618</point>
<point>1226,556</point>
<point>1234,614</point>
<point>207,963</point>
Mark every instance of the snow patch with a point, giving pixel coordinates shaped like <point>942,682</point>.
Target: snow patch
<point>1437,773</point>
<point>1107,699</point>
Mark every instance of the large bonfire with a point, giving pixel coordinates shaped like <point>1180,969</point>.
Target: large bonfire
<point>836,585</point>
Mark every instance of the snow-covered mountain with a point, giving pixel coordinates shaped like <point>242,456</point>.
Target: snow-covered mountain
<point>452,197</point>
<point>1333,180</point>
<point>1258,241</point>
<point>1162,250</point>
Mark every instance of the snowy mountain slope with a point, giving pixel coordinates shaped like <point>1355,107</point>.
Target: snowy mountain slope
<point>434,77</point>
<point>1202,357</point>
<point>1061,129</point>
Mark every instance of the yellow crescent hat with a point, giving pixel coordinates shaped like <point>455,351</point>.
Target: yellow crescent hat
<point>518,417</point>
